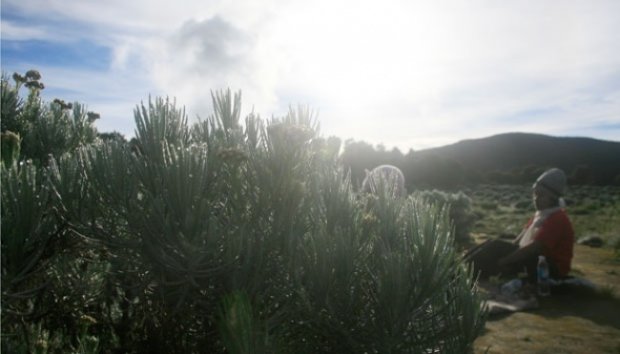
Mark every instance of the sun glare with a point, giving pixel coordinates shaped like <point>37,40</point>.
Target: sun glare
<point>367,56</point>
<point>370,46</point>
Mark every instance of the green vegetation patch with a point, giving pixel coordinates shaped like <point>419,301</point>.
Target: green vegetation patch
<point>216,237</point>
<point>593,210</point>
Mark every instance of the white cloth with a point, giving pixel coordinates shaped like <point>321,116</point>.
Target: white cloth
<point>527,235</point>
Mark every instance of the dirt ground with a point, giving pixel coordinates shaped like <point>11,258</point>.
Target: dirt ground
<point>576,322</point>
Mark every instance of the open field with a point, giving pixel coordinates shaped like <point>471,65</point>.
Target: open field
<point>503,210</point>
<point>579,322</point>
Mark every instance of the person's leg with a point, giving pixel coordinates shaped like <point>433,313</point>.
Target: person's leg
<point>470,252</point>
<point>484,257</point>
<point>530,266</point>
<point>527,266</point>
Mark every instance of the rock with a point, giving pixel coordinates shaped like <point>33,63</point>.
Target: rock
<point>592,241</point>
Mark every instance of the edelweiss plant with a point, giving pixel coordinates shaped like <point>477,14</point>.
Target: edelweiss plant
<point>241,238</point>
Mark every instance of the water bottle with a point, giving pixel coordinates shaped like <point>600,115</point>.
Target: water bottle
<point>543,276</point>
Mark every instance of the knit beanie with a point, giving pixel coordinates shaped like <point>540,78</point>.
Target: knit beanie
<point>553,180</point>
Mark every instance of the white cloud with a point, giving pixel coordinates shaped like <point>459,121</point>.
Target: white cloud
<point>11,31</point>
<point>210,55</point>
<point>405,73</point>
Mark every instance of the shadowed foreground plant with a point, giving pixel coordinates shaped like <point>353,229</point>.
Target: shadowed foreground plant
<point>239,329</point>
<point>221,237</point>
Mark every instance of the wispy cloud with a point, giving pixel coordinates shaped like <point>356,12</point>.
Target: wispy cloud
<point>405,73</point>
<point>210,54</point>
<point>16,32</point>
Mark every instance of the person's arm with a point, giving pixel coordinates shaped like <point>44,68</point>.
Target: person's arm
<point>519,237</point>
<point>523,231</point>
<point>535,248</point>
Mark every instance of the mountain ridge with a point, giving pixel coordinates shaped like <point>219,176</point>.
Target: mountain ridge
<point>515,150</point>
<point>506,158</point>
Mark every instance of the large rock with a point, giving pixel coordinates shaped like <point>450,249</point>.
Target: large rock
<point>592,241</point>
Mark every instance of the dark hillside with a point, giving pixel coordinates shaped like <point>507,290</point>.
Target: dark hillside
<point>505,158</point>
<point>592,161</point>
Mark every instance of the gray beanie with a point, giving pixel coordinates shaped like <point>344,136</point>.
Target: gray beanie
<point>553,180</point>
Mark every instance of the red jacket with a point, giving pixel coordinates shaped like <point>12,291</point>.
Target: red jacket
<point>557,237</point>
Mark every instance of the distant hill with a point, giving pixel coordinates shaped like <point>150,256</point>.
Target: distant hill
<point>585,160</point>
<point>504,158</point>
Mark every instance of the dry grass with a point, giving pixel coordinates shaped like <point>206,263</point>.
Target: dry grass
<point>577,322</point>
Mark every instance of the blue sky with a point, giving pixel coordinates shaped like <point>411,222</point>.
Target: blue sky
<point>410,74</point>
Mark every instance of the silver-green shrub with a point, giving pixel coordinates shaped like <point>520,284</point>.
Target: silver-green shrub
<point>244,238</point>
<point>459,206</point>
<point>46,129</point>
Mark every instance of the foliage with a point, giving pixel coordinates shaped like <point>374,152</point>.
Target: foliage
<point>47,280</point>
<point>593,210</point>
<point>459,206</point>
<point>25,217</point>
<point>11,145</point>
<point>221,237</point>
<point>45,129</point>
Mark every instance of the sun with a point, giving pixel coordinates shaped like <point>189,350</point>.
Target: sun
<point>364,56</point>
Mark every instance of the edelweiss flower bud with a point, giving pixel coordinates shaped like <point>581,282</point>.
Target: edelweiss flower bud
<point>33,75</point>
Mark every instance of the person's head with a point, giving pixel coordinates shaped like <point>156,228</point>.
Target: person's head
<point>549,188</point>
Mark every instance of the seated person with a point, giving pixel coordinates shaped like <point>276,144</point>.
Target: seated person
<point>549,233</point>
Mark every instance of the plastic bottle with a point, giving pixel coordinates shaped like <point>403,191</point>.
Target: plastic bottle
<point>511,287</point>
<point>543,276</point>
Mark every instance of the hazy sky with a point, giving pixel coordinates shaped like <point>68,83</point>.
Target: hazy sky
<point>411,74</point>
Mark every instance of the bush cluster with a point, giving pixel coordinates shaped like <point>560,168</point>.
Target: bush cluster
<point>459,207</point>
<point>217,237</point>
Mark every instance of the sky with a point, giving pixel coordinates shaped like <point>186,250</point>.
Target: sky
<point>407,74</point>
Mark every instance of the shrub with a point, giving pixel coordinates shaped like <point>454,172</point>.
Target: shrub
<point>461,214</point>
<point>222,237</point>
<point>45,129</point>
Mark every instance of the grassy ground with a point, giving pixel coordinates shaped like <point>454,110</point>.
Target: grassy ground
<point>576,322</point>
<point>503,211</point>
